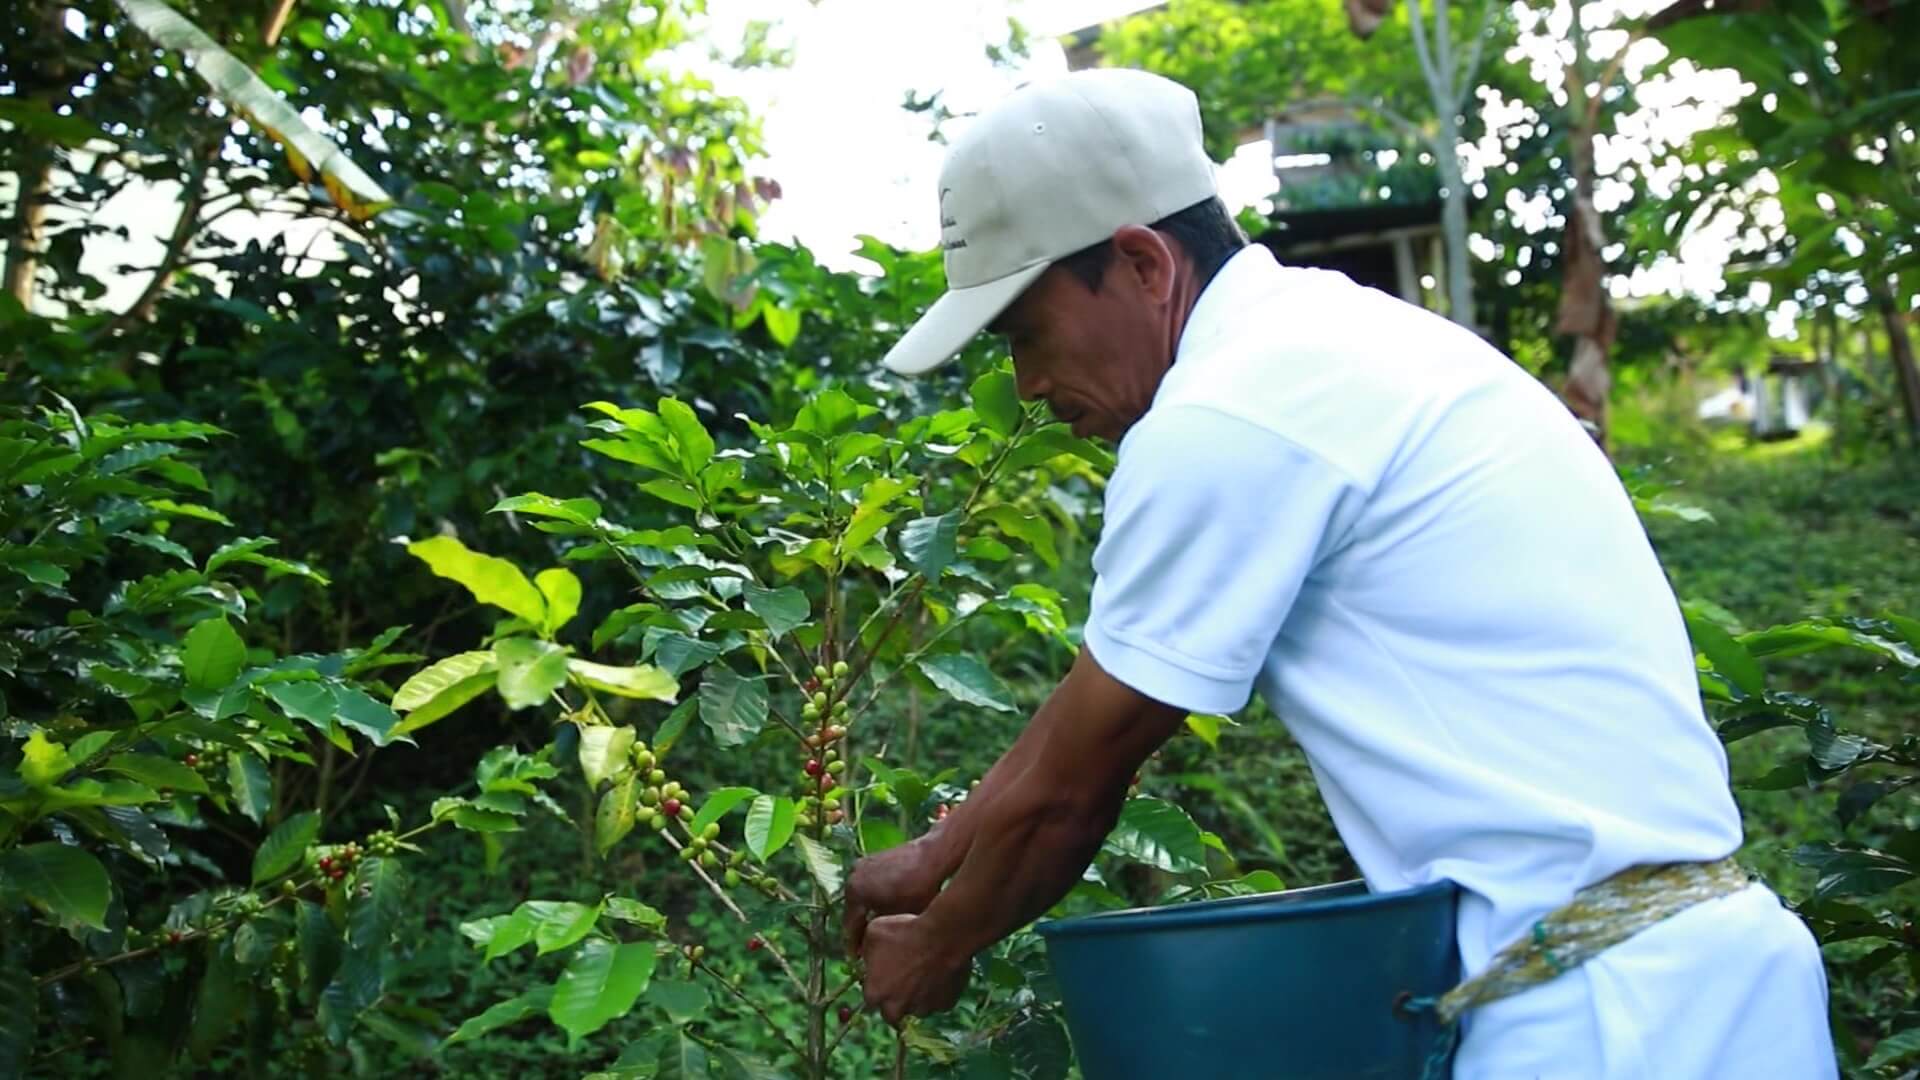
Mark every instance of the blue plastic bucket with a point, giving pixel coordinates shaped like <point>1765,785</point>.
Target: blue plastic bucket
<point>1301,984</point>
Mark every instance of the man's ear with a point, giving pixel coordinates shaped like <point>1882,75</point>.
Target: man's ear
<point>1150,258</point>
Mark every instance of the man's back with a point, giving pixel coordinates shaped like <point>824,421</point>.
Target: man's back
<point>1417,556</point>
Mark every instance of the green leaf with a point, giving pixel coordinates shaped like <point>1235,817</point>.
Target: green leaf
<point>674,726</point>
<point>769,825</point>
<point>251,784</point>
<point>928,543</point>
<point>1051,442</point>
<point>376,907</point>
<point>491,580</point>
<point>781,609</point>
<point>530,670</point>
<point>157,772</point>
<point>561,590</point>
<point>218,1001</point>
<point>359,711</point>
<point>1207,727</point>
<point>620,621</point>
<point>450,699</point>
<point>717,804</point>
<point>1896,1049</point>
<point>783,323</point>
<point>1157,833</point>
<point>212,654</point>
<point>312,702</point>
<point>559,923</point>
<point>633,911</point>
<point>734,708</point>
<point>966,679</point>
<point>682,1001</point>
<point>640,681</point>
<point>821,863</point>
<point>600,984</point>
<point>696,446</point>
<point>1728,656</point>
<point>285,845</point>
<point>681,1059</point>
<point>997,402</point>
<point>672,491</point>
<point>878,834</point>
<point>427,685</point>
<point>500,1014</point>
<point>577,511</point>
<point>603,752</point>
<point>44,761</point>
<point>614,818</point>
<point>67,882</point>
<point>509,933</point>
<point>1030,529</point>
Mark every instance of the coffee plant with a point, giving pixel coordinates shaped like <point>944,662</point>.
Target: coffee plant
<point>165,894</point>
<point>777,613</point>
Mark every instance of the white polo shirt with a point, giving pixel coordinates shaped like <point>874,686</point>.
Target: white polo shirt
<point>1413,551</point>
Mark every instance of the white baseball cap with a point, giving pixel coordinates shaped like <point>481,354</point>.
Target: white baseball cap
<point>1053,168</point>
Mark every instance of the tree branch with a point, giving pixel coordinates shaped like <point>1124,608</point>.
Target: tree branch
<point>1417,21</point>
<point>184,232</point>
<point>1467,70</point>
<point>278,23</point>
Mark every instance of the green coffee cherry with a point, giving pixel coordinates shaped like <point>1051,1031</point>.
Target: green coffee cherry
<point>732,879</point>
<point>658,824</point>
<point>820,701</point>
<point>840,708</point>
<point>836,768</point>
<point>809,712</point>
<point>650,797</point>
<point>830,803</point>
<point>687,854</point>
<point>819,671</point>
<point>657,776</point>
<point>840,669</point>
<point>686,813</point>
<point>711,832</point>
<point>709,860</point>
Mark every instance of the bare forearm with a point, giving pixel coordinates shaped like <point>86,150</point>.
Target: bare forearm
<point>1030,847</point>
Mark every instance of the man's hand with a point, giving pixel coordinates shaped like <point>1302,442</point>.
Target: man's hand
<point>908,972</point>
<point>901,880</point>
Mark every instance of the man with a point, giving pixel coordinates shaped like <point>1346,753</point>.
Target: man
<point>1404,542</point>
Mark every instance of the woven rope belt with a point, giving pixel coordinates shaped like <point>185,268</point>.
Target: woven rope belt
<point>1598,917</point>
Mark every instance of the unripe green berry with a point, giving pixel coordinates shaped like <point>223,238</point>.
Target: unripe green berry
<point>643,814</point>
<point>658,824</point>
<point>732,879</point>
<point>840,669</point>
<point>819,701</point>
<point>657,776</point>
<point>819,671</point>
<point>711,832</point>
<point>686,813</point>
<point>830,803</point>
<point>650,797</point>
<point>840,708</point>
<point>687,854</point>
<point>673,790</point>
<point>836,768</point>
<point>809,711</point>
<point>709,860</point>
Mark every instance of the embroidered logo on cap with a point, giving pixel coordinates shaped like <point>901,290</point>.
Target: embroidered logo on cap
<point>947,222</point>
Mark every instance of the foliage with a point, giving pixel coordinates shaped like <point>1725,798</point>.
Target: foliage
<point>774,617</point>
<point>161,889</point>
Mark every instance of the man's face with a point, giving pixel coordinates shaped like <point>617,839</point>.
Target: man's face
<point>1095,356</point>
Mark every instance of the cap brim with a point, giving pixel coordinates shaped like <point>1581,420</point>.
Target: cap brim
<point>953,320</point>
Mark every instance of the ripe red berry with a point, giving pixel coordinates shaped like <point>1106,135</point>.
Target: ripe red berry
<point>192,760</point>
<point>846,1013</point>
<point>811,686</point>
<point>814,767</point>
<point>326,862</point>
<point>173,937</point>
<point>671,808</point>
<point>336,873</point>
<point>755,944</point>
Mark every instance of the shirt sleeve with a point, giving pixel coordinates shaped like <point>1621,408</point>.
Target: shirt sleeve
<point>1212,526</point>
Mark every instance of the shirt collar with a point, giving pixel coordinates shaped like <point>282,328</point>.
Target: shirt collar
<point>1238,281</point>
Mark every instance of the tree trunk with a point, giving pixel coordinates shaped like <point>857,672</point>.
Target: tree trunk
<point>1453,224</point>
<point>1900,351</point>
<point>29,221</point>
<point>1584,310</point>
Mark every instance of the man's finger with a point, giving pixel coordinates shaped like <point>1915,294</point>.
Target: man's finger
<point>853,924</point>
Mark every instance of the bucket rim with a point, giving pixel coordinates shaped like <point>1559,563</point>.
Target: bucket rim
<point>1287,905</point>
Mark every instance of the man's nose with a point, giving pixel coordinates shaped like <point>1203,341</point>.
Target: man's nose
<point>1030,387</point>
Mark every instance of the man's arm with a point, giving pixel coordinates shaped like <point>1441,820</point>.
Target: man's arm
<point>1022,845</point>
